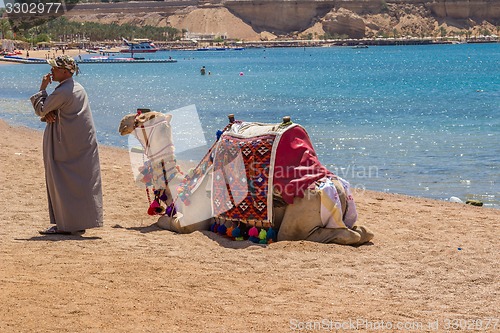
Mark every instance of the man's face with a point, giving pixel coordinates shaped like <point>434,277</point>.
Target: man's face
<point>59,74</point>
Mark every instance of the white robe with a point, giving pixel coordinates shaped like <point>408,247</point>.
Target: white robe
<point>71,158</point>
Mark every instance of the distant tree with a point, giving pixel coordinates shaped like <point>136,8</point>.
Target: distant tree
<point>383,7</point>
<point>42,38</point>
<point>326,36</point>
<point>4,27</point>
<point>442,31</point>
<point>485,32</point>
<point>172,33</point>
<point>63,29</point>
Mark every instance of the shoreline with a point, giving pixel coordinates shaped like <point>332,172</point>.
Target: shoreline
<point>355,43</point>
<point>486,205</point>
<point>42,54</point>
<point>409,196</point>
<point>124,151</point>
<point>430,261</point>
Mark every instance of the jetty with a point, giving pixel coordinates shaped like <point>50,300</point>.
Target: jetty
<point>23,60</point>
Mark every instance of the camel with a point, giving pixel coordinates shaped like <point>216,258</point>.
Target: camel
<point>300,217</point>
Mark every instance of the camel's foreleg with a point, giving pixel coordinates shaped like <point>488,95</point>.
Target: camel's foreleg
<point>175,224</point>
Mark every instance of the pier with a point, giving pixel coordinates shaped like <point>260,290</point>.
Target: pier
<point>22,60</point>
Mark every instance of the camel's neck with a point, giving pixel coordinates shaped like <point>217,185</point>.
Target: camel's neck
<point>170,168</point>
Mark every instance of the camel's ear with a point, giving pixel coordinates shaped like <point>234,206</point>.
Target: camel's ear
<point>128,117</point>
<point>141,119</point>
<point>168,117</point>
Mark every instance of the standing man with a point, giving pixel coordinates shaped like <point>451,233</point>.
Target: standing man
<point>70,153</point>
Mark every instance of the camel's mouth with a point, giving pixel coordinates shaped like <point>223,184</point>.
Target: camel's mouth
<point>124,130</point>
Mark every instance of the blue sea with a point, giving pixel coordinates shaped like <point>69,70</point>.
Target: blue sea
<point>417,120</point>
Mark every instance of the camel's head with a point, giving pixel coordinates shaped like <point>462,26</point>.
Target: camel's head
<point>131,121</point>
<point>127,124</point>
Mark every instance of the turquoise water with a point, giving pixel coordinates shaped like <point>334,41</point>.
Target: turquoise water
<point>416,120</point>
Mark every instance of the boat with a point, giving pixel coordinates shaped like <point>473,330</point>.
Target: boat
<point>138,46</point>
<point>360,46</point>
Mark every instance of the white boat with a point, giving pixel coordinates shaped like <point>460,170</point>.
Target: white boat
<point>139,46</point>
<point>360,46</point>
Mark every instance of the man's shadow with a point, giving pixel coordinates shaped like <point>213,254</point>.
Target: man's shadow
<point>59,237</point>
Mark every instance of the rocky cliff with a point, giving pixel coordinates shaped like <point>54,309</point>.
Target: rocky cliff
<point>464,9</point>
<point>264,19</point>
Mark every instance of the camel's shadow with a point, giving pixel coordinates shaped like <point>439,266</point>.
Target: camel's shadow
<point>230,243</point>
<point>221,240</point>
<point>142,229</point>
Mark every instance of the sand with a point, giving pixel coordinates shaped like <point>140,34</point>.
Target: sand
<point>431,263</point>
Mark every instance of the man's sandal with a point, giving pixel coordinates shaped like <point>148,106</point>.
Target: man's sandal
<point>54,231</point>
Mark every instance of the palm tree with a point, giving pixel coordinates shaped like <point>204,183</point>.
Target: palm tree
<point>4,28</point>
<point>442,31</point>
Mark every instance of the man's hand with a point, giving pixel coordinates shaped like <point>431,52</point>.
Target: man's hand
<point>51,117</point>
<point>46,80</point>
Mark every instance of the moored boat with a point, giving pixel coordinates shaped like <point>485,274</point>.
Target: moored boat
<point>138,46</point>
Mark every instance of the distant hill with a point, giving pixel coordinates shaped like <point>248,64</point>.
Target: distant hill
<point>268,19</point>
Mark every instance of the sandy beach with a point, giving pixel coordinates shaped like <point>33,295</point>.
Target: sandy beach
<point>42,54</point>
<point>431,263</point>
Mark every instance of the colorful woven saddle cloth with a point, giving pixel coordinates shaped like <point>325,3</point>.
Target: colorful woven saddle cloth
<point>254,160</point>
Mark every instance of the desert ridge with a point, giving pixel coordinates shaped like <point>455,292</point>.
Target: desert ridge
<point>430,262</point>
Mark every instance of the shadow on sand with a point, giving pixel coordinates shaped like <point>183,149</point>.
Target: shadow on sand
<point>57,238</point>
<point>230,243</point>
<point>221,240</point>
<point>142,229</point>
